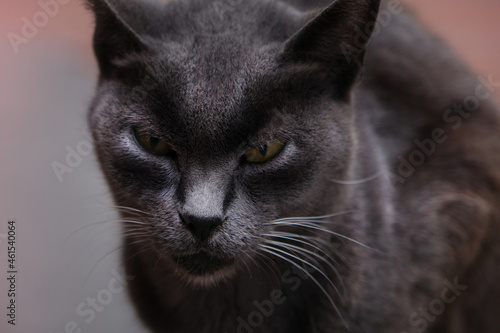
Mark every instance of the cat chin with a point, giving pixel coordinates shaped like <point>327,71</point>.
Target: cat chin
<point>210,279</point>
<point>203,269</point>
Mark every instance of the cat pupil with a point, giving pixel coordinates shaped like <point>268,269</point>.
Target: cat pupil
<point>263,150</point>
<point>154,142</point>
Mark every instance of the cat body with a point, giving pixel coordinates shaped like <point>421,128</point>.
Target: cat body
<point>378,214</point>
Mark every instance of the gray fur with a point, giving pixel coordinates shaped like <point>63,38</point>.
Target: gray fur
<point>215,83</point>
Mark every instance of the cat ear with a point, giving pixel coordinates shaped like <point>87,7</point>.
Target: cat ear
<point>114,37</point>
<point>336,38</point>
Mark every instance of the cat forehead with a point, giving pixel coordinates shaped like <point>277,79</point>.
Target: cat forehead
<point>215,83</point>
<point>205,96</point>
<point>209,75</point>
<point>214,49</point>
<point>266,19</point>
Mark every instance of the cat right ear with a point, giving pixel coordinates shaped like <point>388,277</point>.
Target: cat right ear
<point>336,40</point>
<point>114,37</point>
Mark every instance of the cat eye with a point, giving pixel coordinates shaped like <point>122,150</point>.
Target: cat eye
<point>152,144</point>
<point>264,152</point>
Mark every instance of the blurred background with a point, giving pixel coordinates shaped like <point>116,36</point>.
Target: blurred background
<point>50,184</point>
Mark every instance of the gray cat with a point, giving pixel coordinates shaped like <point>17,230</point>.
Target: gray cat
<point>279,171</point>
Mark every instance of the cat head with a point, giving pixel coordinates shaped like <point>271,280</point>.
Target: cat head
<point>212,119</point>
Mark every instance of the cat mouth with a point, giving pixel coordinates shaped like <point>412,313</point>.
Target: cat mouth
<point>201,263</point>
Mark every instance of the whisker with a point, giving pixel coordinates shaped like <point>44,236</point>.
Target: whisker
<point>334,269</point>
<point>140,241</point>
<point>139,252</point>
<point>317,239</point>
<point>271,251</point>
<point>312,226</point>
<point>268,262</point>
<point>114,209</point>
<point>287,246</point>
<point>315,217</point>
<point>245,263</point>
<point>357,181</point>
<point>133,231</point>
<point>102,223</point>
<point>156,263</point>
<point>117,235</point>
<point>315,234</point>
<point>130,209</point>
<point>313,242</point>
<point>100,260</point>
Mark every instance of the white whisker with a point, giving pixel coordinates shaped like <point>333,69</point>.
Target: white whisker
<point>314,242</point>
<point>310,253</point>
<point>356,181</point>
<point>271,251</point>
<point>332,267</point>
<point>315,217</point>
<point>308,225</point>
<point>100,260</point>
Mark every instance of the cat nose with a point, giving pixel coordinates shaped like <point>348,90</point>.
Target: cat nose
<point>201,227</point>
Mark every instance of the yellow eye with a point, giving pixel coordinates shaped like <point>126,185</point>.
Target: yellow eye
<point>265,152</point>
<point>152,144</point>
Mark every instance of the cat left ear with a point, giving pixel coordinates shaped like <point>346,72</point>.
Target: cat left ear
<point>114,37</point>
<point>336,38</point>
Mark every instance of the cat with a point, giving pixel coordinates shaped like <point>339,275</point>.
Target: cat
<point>297,166</point>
